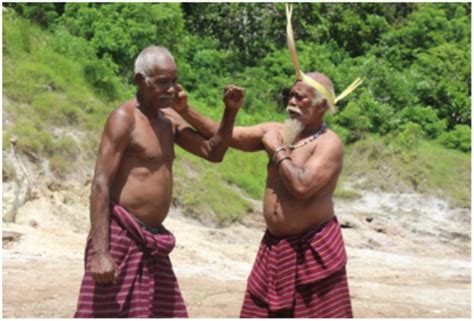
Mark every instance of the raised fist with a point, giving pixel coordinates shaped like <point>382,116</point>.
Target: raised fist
<point>233,97</point>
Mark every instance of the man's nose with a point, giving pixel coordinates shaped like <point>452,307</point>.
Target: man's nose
<point>171,89</point>
<point>292,101</point>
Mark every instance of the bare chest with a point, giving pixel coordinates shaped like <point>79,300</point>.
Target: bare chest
<point>152,142</point>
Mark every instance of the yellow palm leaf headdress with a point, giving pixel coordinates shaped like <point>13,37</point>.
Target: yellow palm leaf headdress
<point>332,100</point>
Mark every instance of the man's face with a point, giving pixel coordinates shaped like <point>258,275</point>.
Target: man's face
<point>159,89</point>
<point>300,105</point>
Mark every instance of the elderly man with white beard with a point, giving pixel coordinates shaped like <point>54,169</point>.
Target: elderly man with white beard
<point>300,266</point>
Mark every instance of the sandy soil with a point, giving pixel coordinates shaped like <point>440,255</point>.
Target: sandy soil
<point>409,256</point>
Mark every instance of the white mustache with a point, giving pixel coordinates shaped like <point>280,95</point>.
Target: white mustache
<point>293,109</point>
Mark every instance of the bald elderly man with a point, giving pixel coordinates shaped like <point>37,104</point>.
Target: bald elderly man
<point>299,270</point>
<point>128,272</point>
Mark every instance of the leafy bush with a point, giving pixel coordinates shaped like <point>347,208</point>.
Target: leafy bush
<point>459,138</point>
<point>99,73</point>
<point>425,117</point>
<point>408,137</point>
<point>355,120</point>
<point>428,26</point>
<point>442,78</point>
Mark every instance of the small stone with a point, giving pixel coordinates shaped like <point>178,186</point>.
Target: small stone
<point>33,223</point>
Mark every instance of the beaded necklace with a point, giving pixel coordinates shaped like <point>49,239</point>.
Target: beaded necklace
<point>313,137</point>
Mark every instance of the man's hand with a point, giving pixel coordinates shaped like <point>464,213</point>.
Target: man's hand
<point>180,101</point>
<point>104,269</point>
<point>233,97</point>
<point>272,140</point>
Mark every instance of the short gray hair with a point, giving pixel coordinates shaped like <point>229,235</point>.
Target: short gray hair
<point>147,59</point>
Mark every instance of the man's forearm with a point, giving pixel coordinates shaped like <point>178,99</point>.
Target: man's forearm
<point>204,125</point>
<point>99,215</point>
<point>292,176</point>
<point>220,141</point>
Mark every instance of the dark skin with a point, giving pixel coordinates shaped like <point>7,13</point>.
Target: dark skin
<point>298,193</point>
<point>136,153</point>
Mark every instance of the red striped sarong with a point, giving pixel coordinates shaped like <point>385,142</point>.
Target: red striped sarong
<point>146,286</point>
<point>301,276</point>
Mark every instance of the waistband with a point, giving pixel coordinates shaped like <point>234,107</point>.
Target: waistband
<point>151,229</point>
<point>308,232</point>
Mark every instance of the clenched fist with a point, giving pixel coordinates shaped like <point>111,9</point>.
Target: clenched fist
<point>104,269</point>
<point>233,97</point>
<point>180,101</point>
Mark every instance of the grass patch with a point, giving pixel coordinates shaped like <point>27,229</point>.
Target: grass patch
<point>62,160</point>
<point>375,163</point>
<point>346,194</point>
<point>202,192</point>
<point>448,172</point>
<point>46,88</point>
<point>8,172</point>
<point>248,171</point>
<point>31,137</point>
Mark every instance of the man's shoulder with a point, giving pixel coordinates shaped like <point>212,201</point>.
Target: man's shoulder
<point>124,114</point>
<point>121,121</point>
<point>334,138</point>
<point>331,142</point>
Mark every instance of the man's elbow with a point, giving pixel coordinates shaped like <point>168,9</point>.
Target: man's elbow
<point>301,192</point>
<point>216,151</point>
<point>216,157</point>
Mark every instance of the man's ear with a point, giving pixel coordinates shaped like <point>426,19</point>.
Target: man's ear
<point>324,105</point>
<point>139,79</point>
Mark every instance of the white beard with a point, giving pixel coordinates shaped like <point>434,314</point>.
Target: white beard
<point>291,129</point>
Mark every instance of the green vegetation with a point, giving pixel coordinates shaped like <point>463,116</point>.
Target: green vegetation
<point>67,65</point>
<point>346,194</point>
<point>47,89</point>
<point>425,167</point>
<point>201,191</point>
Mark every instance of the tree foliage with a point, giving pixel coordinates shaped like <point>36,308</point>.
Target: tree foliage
<point>121,30</point>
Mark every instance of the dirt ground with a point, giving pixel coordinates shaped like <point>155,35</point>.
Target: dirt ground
<point>418,267</point>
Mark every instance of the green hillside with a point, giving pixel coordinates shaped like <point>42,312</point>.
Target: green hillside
<point>66,66</point>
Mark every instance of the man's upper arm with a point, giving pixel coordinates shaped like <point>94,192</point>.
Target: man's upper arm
<point>323,166</point>
<point>115,139</point>
<point>249,139</point>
